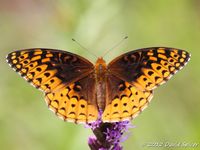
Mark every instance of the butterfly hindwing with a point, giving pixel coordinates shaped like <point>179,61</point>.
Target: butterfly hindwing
<point>124,101</point>
<point>76,102</point>
<point>149,67</point>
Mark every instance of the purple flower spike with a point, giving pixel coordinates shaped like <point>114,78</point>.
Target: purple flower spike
<point>108,136</point>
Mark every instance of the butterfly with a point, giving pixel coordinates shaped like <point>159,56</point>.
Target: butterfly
<point>79,91</point>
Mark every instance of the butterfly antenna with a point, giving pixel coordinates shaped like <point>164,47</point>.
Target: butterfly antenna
<point>116,45</point>
<point>84,47</point>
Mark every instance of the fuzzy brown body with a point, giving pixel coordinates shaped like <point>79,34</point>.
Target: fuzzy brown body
<point>100,73</point>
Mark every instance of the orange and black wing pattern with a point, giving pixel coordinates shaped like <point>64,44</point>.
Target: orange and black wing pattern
<point>75,102</point>
<point>140,72</point>
<point>63,77</point>
<point>124,101</point>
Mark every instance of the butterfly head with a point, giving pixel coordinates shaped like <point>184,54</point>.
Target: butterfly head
<point>100,63</point>
<point>100,60</point>
<point>100,67</point>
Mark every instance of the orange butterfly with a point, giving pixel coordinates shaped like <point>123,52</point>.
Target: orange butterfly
<point>76,90</point>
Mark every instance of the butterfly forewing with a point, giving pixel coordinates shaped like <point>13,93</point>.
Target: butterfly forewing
<point>45,67</point>
<point>59,74</point>
<point>149,67</point>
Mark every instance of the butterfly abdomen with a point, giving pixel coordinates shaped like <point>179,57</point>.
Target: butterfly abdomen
<point>100,73</point>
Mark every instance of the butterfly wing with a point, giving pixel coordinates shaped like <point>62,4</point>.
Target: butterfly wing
<point>124,101</point>
<point>60,75</point>
<point>142,71</point>
<point>149,67</point>
<point>76,102</point>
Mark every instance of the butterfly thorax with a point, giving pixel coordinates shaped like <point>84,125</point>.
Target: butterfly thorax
<point>100,73</point>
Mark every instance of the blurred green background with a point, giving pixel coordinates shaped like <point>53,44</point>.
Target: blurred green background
<point>173,115</point>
